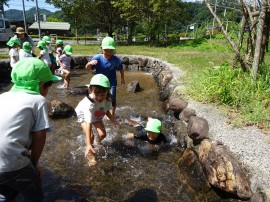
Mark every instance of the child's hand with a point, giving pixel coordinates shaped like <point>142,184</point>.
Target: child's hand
<point>93,62</point>
<point>89,151</point>
<point>130,136</point>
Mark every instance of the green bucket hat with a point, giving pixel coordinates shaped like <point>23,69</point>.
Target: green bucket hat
<point>28,73</point>
<point>68,50</point>
<point>12,41</point>
<point>100,80</point>
<point>108,43</point>
<point>27,47</point>
<point>153,125</point>
<point>59,42</point>
<point>47,39</point>
<point>42,44</point>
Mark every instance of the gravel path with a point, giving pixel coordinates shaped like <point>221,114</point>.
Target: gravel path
<point>249,145</point>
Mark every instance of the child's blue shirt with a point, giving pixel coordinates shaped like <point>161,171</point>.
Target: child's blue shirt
<point>108,67</point>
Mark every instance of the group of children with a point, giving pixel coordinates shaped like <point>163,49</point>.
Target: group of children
<point>59,64</point>
<point>23,128</point>
<point>101,100</point>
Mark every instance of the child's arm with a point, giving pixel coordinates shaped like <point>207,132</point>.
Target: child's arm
<point>14,58</point>
<point>37,146</point>
<point>89,148</point>
<point>111,117</point>
<point>122,74</point>
<point>40,56</point>
<point>89,64</point>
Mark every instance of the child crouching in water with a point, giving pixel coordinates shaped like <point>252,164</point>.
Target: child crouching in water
<point>91,110</point>
<point>151,133</point>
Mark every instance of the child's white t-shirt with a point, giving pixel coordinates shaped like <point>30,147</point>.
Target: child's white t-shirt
<point>57,54</point>
<point>91,112</point>
<point>66,61</point>
<point>13,52</point>
<point>45,57</point>
<point>23,54</point>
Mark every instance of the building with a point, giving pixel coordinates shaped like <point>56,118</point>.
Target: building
<point>48,28</point>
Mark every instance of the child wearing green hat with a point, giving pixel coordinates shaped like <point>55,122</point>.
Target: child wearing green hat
<point>108,63</point>
<point>151,133</point>
<point>25,51</point>
<point>13,44</point>
<point>44,54</point>
<point>91,110</point>
<point>48,42</point>
<point>23,126</point>
<point>65,65</point>
<point>59,50</point>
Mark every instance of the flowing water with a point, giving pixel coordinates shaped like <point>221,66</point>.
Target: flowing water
<point>125,170</point>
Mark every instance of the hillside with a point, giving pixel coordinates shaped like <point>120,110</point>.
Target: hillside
<point>14,14</point>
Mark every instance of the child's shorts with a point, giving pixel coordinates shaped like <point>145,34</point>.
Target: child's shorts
<point>59,72</point>
<point>25,181</point>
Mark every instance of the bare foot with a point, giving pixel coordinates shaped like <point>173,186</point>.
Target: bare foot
<point>91,160</point>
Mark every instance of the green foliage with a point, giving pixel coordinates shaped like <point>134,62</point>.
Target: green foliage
<point>234,88</point>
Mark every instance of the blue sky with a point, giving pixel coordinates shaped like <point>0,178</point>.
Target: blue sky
<point>17,4</point>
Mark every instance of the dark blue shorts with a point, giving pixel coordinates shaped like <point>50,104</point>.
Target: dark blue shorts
<point>25,181</point>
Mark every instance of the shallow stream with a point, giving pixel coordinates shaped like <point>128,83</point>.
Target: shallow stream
<point>123,173</point>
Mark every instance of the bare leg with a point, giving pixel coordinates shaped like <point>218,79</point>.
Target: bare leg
<point>101,131</point>
<point>113,111</point>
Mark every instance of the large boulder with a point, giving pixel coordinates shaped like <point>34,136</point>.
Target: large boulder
<point>177,104</point>
<point>59,109</point>
<point>78,90</point>
<point>222,170</point>
<point>134,86</point>
<point>186,114</point>
<point>198,129</point>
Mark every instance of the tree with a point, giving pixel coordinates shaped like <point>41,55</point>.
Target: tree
<point>75,10</point>
<point>102,13</point>
<point>153,15</point>
<point>255,21</point>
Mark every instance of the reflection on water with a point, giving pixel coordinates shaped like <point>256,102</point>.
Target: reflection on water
<point>142,172</point>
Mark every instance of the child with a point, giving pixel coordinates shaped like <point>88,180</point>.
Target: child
<point>44,55</point>
<point>23,130</point>
<point>13,44</point>
<point>25,52</point>
<point>48,42</point>
<point>151,133</point>
<point>59,50</point>
<point>107,64</point>
<point>92,109</point>
<point>65,65</point>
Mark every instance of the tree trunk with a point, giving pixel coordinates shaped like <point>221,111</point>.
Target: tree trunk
<point>265,36</point>
<point>257,52</point>
<point>237,52</point>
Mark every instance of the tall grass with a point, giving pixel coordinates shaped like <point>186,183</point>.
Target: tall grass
<point>235,89</point>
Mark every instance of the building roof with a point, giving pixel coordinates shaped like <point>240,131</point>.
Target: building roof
<point>51,25</point>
